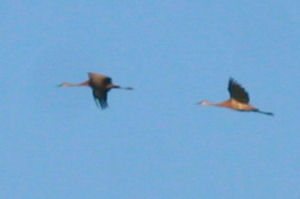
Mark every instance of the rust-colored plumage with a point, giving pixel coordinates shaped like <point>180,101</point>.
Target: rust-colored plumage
<point>100,85</point>
<point>239,99</point>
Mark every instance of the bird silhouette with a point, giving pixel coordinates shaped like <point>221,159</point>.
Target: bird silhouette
<point>239,99</point>
<point>100,85</point>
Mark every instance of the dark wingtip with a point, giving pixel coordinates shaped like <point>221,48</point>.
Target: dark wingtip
<point>232,80</point>
<point>89,74</point>
<point>103,105</point>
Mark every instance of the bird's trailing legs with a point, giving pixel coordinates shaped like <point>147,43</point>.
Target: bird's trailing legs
<point>263,112</point>
<point>120,87</point>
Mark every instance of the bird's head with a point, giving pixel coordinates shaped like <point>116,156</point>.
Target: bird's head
<point>204,103</point>
<point>65,84</point>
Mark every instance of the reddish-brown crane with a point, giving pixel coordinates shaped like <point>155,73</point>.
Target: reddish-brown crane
<point>239,99</point>
<point>100,85</point>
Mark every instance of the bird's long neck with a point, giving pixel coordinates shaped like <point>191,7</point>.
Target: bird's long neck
<point>207,103</point>
<point>67,84</point>
<point>226,103</point>
<point>211,104</point>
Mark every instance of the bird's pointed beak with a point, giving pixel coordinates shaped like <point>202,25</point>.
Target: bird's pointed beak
<point>201,103</point>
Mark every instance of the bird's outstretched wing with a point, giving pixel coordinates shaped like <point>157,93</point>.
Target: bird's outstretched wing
<point>100,98</point>
<point>237,92</point>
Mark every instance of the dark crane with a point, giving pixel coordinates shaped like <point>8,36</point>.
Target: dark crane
<point>100,85</point>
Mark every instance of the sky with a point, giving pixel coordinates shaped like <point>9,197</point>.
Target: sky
<point>153,142</point>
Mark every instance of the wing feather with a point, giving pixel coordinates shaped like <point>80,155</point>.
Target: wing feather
<point>100,97</point>
<point>237,92</point>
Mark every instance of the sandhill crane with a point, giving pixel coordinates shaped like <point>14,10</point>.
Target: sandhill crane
<point>100,85</point>
<point>239,99</point>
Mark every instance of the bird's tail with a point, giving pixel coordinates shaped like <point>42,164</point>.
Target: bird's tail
<point>264,112</point>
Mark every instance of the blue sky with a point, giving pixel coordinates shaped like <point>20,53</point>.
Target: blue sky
<point>153,142</point>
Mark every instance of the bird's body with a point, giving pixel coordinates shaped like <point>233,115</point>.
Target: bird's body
<point>236,105</point>
<point>100,85</point>
<point>239,99</point>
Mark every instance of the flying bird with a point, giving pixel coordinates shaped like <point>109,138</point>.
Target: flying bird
<point>239,99</point>
<point>100,85</point>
